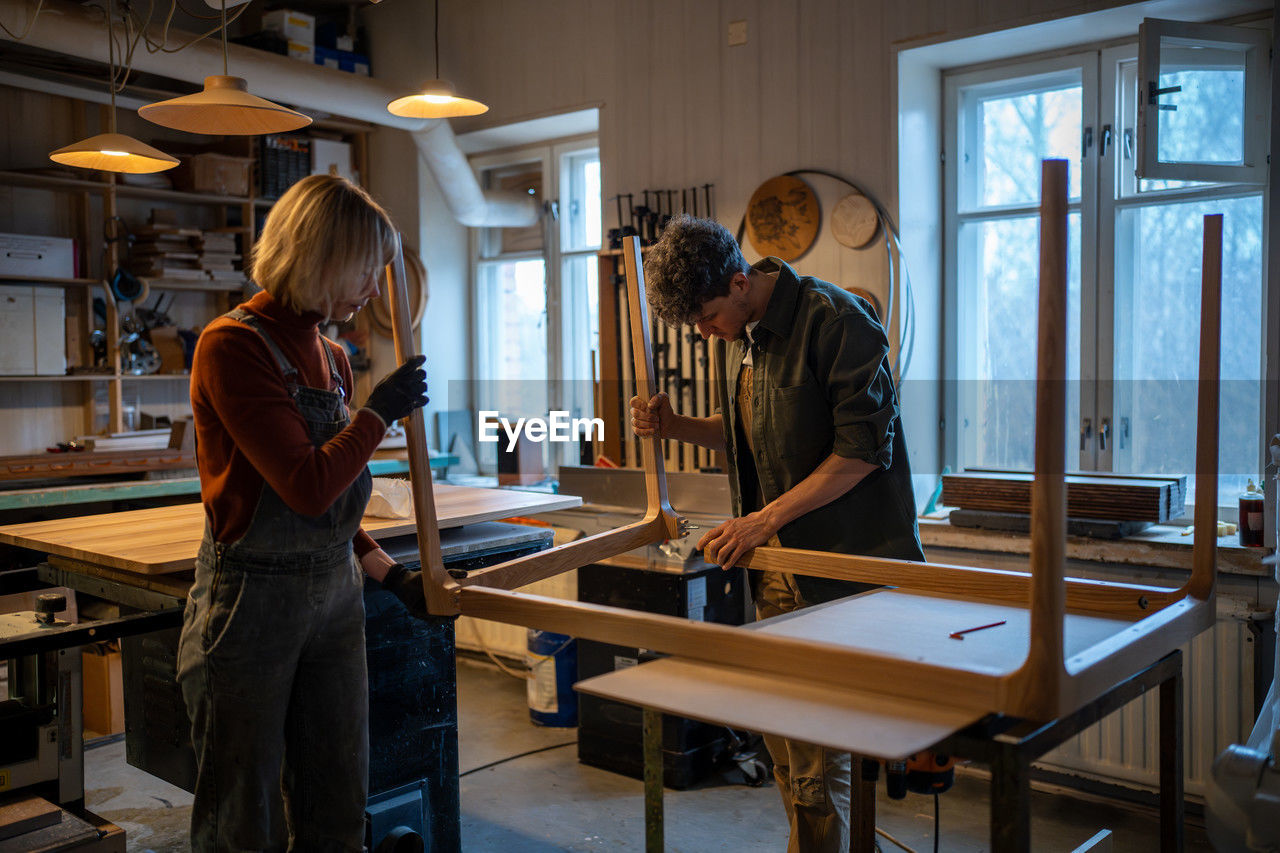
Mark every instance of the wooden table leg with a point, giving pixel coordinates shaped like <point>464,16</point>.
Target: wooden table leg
<point>1010,802</point>
<point>653,829</point>
<point>862,793</point>
<point>1172,833</point>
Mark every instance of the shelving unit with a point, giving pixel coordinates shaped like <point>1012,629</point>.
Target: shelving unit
<point>93,202</point>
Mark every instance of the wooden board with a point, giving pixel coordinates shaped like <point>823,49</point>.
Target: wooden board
<point>858,721</point>
<point>918,627</point>
<point>1117,498</point>
<point>166,539</point>
<point>1017,522</point>
<point>42,466</point>
<point>26,814</point>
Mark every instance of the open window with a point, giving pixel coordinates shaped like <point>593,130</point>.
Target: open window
<point>1203,102</point>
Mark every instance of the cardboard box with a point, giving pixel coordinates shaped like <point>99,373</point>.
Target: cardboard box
<point>331,157</point>
<point>103,697</point>
<point>293,25</point>
<point>36,255</point>
<point>32,331</point>
<point>342,60</point>
<point>220,174</point>
<point>302,52</point>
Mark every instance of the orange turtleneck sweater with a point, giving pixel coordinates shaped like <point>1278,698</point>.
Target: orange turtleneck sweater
<point>248,429</point>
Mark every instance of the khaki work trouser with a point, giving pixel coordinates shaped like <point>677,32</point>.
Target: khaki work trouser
<point>812,780</point>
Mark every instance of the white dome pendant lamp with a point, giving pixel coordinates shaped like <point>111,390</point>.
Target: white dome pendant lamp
<point>437,98</point>
<point>111,151</point>
<point>224,106</point>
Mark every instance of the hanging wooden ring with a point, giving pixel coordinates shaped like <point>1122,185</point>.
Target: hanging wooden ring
<point>416,274</point>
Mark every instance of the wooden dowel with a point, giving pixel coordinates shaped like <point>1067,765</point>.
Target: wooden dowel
<point>655,472</point>
<point>1131,601</point>
<point>544,564</point>
<point>436,583</point>
<point>1044,667</point>
<point>1204,549</point>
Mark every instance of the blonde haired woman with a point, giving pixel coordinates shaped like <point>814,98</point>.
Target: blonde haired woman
<point>272,661</point>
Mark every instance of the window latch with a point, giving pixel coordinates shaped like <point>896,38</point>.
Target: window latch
<point>1128,143</point>
<point>1104,432</point>
<point>1088,138</point>
<point>1104,140</point>
<point>1154,92</point>
<point>1086,433</point>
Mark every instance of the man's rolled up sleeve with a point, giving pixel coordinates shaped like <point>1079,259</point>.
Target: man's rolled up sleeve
<point>860,390</point>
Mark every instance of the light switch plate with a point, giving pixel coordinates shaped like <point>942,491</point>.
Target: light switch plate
<point>737,33</point>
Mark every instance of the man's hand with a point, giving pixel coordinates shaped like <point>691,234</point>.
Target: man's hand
<point>406,585</point>
<point>726,544</point>
<point>654,419</point>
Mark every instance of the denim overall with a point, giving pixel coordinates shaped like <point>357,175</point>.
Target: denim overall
<point>272,665</point>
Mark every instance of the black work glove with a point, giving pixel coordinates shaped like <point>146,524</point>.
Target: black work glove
<point>406,585</point>
<point>400,392</point>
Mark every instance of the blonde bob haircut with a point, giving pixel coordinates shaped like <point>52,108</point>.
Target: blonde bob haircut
<point>321,236</point>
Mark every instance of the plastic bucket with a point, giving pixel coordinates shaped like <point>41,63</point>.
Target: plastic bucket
<point>553,667</point>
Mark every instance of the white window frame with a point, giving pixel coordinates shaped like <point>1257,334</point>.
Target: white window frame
<point>561,309</point>
<point>1115,190</point>
<point>1257,118</point>
<point>958,404</point>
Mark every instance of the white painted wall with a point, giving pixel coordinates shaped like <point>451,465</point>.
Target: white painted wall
<point>814,87</point>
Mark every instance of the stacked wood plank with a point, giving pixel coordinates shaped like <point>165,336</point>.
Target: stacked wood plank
<point>1132,497</point>
<point>218,256</point>
<point>41,466</point>
<point>166,251</point>
<point>163,250</point>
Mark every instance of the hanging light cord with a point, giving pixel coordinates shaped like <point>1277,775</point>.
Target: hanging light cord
<point>111,65</point>
<point>437,27</point>
<point>30,23</point>
<point>224,36</point>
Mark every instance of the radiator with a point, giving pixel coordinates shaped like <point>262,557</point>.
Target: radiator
<point>1218,701</point>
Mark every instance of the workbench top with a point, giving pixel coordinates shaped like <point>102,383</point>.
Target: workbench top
<point>165,539</point>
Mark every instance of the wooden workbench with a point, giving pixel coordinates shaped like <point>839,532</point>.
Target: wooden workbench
<point>165,540</point>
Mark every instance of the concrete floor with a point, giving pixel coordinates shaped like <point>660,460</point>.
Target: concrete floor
<point>549,802</point>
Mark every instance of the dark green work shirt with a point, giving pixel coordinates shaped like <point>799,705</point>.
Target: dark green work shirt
<point>821,384</point>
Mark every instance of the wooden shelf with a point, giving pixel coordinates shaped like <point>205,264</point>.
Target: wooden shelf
<point>98,377</point>
<point>208,285</point>
<point>53,182</point>
<point>38,279</point>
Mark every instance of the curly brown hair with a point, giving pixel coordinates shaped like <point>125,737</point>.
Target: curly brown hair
<point>691,265</point>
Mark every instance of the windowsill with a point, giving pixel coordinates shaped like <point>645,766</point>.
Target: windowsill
<point>1159,546</point>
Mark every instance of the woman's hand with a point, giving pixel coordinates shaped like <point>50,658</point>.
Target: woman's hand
<point>655,418</point>
<point>400,392</point>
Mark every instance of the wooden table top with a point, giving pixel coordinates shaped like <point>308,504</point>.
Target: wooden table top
<point>909,625</point>
<point>165,539</point>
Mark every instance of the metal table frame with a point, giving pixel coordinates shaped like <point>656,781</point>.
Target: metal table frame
<point>1008,746</point>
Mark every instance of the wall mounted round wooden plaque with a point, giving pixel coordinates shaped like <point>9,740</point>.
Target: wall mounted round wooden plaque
<point>416,273</point>
<point>854,221</point>
<point>783,217</point>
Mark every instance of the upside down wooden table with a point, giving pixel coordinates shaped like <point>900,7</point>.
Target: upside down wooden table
<point>865,723</point>
<point>1072,640</point>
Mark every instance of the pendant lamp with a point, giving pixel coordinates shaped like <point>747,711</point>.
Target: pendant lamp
<point>224,107</point>
<point>111,151</point>
<point>437,98</point>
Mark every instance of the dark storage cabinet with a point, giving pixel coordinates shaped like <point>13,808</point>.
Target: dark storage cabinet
<point>609,733</point>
